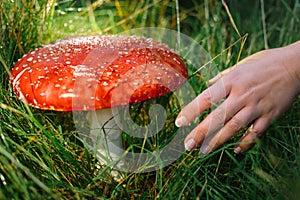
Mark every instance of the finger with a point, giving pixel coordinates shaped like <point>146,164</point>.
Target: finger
<point>219,76</point>
<point>244,117</point>
<point>212,123</point>
<point>254,131</point>
<point>202,102</point>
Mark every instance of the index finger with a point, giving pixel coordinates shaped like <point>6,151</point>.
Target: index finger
<point>202,102</point>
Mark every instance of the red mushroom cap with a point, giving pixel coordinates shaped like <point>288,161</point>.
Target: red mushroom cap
<point>83,73</point>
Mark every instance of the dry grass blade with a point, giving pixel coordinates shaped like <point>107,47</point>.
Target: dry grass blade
<point>231,18</point>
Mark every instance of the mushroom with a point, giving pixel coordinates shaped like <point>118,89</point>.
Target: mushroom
<point>95,74</point>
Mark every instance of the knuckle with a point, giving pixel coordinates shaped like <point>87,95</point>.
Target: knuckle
<point>255,132</point>
<point>235,124</point>
<point>206,96</point>
<point>219,115</point>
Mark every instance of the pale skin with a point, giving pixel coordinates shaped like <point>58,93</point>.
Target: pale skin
<point>251,94</point>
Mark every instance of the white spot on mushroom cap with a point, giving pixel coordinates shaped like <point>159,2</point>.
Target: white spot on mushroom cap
<point>29,59</point>
<point>91,79</point>
<point>83,74</point>
<point>108,73</point>
<point>105,83</point>
<point>68,95</point>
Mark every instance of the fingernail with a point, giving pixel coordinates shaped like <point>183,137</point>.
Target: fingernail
<point>190,144</point>
<point>181,121</point>
<point>237,150</point>
<point>204,151</point>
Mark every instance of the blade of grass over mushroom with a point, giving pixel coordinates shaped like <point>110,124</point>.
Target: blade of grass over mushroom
<point>8,72</point>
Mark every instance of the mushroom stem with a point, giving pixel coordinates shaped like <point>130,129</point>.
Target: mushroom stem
<point>106,137</point>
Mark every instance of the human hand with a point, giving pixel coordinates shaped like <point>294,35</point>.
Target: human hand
<point>255,92</point>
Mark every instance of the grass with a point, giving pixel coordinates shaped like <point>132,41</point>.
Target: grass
<point>41,156</point>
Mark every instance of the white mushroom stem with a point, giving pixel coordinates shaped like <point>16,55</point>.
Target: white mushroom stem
<point>106,137</point>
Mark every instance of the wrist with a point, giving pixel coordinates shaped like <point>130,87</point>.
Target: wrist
<point>296,50</point>
<point>291,54</point>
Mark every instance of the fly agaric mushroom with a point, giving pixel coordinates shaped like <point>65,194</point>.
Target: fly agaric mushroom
<point>83,73</point>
